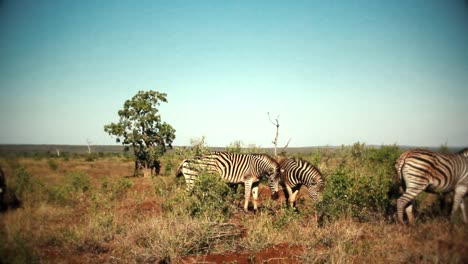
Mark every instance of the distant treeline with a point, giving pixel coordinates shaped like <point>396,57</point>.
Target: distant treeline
<point>13,149</point>
<point>31,149</point>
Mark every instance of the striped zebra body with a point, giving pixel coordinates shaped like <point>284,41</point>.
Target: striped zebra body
<point>234,168</point>
<point>298,172</point>
<point>423,170</point>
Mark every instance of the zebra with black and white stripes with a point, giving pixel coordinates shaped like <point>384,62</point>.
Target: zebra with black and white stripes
<point>235,168</point>
<point>423,170</point>
<point>298,172</point>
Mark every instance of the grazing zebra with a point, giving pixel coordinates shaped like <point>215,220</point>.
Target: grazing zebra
<point>234,168</point>
<point>423,170</point>
<point>298,172</point>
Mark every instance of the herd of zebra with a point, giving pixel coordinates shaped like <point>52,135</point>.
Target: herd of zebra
<point>418,170</point>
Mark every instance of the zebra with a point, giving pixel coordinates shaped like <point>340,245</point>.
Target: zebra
<point>235,168</point>
<point>298,172</point>
<point>423,170</point>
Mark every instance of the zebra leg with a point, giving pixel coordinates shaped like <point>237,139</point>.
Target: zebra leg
<point>460,192</point>
<point>403,201</point>
<point>292,197</point>
<point>401,204</point>
<point>409,213</point>
<point>289,191</point>
<point>462,206</point>
<point>248,187</point>
<point>413,188</point>
<point>255,196</point>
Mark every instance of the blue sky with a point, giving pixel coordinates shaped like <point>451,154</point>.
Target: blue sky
<point>336,72</point>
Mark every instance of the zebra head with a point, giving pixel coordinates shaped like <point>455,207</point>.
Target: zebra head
<point>316,190</point>
<point>273,181</point>
<point>272,172</point>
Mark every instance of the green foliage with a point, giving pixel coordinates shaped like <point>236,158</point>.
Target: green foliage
<point>92,157</point>
<point>237,147</point>
<point>75,186</point>
<point>78,182</point>
<point>335,201</point>
<point>234,147</point>
<point>141,127</point>
<point>444,148</point>
<point>18,250</point>
<point>199,147</point>
<point>22,182</point>
<point>286,217</point>
<point>211,199</point>
<point>116,190</point>
<point>170,162</point>
<point>52,164</point>
<point>365,189</point>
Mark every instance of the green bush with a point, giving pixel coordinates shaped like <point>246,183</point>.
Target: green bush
<point>52,164</point>
<point>90,157</point>
<point>18,249</point>
<point>234,147</point>
<point>23,184</point>
<point>376,179</point>
<point>335,200</point>
<point>76,184</point>
<point>363,197</point>
<point>117,189</point>
<point>211,198</point>
<point>285,217</point>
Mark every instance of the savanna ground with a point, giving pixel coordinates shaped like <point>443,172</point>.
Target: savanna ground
<point>90,209</point>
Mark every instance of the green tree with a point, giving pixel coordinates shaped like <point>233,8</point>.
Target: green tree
<point>140,127</point>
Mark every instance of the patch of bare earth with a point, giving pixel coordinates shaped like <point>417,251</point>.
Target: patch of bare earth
<point>281,253</point>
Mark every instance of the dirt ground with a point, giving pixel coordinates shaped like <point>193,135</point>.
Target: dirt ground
<point>281,253</point>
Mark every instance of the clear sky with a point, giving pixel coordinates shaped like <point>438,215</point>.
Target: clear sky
<point>336,72</point>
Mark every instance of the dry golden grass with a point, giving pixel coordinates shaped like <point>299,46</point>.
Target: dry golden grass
<point>134,226</point>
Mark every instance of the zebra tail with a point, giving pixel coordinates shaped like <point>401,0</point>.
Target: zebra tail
<point>399,167</point>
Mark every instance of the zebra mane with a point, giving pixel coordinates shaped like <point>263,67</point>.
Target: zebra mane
<point>257,155</point>
<point>310,165</point>
<point>268,157</point>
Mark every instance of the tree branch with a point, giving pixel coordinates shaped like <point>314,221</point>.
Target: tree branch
<point>275,142</point>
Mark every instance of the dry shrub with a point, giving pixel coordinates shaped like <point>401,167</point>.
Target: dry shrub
<point>162,237</point>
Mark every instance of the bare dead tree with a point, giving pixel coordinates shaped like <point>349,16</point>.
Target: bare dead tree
<point>276,123</point>
<point>275,141</point>
<point>88,142</point>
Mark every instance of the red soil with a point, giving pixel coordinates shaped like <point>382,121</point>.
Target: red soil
<point>281,253</point>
